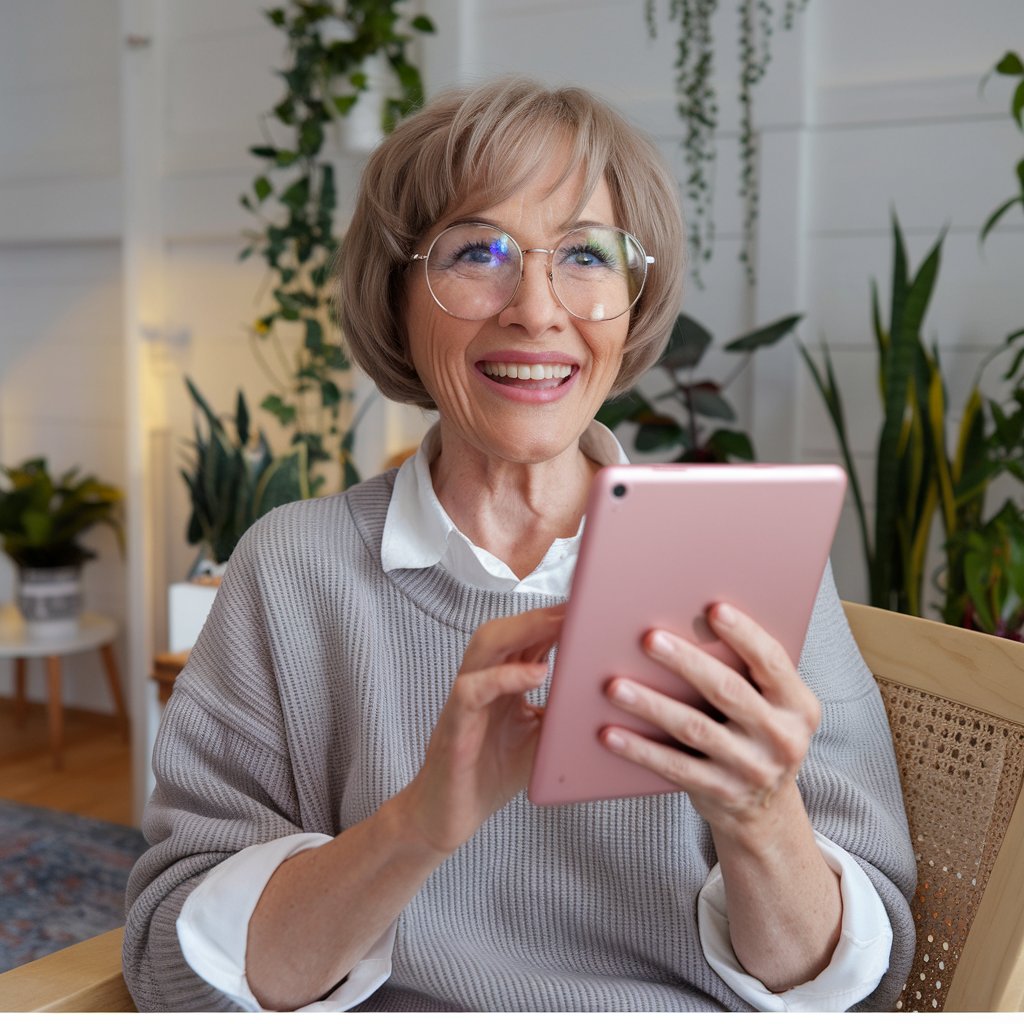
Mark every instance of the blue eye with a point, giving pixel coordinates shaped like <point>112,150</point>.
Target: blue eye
<point>586,256</point>
<point>484,253</point>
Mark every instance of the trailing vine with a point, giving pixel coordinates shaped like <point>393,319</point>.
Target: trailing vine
<point>696,104</point>
<point>297,338</point>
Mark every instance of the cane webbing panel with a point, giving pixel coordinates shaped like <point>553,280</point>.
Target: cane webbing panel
<point>961,771</point>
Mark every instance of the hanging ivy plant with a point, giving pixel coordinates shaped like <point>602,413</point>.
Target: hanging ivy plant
<point>298,340</point>
<point>697,105</point>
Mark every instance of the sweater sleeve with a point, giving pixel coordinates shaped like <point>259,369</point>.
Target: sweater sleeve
<point>850,781</point>
<point>224,782</point>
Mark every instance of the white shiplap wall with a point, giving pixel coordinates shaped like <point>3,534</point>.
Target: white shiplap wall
<point>870,104</point>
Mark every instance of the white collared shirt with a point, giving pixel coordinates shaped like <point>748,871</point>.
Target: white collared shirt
<point>419,533</point>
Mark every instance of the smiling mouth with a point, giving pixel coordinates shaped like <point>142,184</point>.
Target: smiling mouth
<point>531,375</point>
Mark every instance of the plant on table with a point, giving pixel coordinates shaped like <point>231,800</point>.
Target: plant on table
<point>43,518</point>
<point>42,521</point>
<point>684,418</point>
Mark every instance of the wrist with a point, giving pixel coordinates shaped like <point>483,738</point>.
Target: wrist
<point>407,826</point>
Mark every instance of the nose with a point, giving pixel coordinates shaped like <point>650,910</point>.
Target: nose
<point>534,306</point>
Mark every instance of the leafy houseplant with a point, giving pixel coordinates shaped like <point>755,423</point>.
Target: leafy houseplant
<point>916,477</point>
<point>1012,66</point>
<point>329,44</point>
<point>234,478</point>
<point>42,520</point>
<point>675,419</point>
<point>697,105</point>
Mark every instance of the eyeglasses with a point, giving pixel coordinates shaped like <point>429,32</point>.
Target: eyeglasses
<point>474,271</point>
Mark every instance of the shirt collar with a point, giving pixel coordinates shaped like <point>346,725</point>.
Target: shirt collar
<point>419,533</point>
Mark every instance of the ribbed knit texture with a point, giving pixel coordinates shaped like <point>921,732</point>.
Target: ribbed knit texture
<point>309,700</point>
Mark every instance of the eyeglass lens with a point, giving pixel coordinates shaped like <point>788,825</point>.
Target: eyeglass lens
<point>597,273</point>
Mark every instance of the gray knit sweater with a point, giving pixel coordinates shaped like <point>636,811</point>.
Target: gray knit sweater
<point>309,700</point>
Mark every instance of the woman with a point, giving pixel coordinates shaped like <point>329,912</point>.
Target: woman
<point>339,818</point>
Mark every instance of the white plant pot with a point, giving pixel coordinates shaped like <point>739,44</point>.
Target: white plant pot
<point>50,600</point>
<point>360,130</point>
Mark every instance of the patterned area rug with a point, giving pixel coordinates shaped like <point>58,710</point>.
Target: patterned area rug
<point>62,879</point>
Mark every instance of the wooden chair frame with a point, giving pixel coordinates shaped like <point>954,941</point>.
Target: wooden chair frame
<point>983,673</point>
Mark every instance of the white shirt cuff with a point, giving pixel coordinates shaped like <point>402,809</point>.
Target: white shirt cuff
<point>857,965</point>
<point>213,927</point>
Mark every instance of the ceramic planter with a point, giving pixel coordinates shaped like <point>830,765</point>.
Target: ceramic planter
<point>50,600</point>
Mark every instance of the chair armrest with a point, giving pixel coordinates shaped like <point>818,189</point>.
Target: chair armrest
<point>85,978</point>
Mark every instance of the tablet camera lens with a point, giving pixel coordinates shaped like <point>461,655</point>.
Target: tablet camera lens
<point>619,490</point>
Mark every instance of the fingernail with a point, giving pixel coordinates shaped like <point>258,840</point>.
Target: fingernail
<point>726,614</point>
<point>614,740</point>
<point>623,692</point>
<point>660,642</point>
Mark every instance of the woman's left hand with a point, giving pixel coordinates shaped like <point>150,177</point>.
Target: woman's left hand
<point>750,757</point>
<point>782,899</point>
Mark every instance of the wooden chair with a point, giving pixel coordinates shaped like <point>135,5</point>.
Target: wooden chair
<point>84,978</point>
<point>955,701</point>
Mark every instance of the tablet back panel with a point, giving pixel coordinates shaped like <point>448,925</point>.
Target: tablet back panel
<point>676,540</point>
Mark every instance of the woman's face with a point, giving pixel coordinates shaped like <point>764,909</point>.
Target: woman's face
<point>513,419</point>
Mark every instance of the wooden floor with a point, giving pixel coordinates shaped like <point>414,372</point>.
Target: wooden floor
<point>96,779</point>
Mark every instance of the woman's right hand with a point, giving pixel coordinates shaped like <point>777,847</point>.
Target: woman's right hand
<point>481,751</point>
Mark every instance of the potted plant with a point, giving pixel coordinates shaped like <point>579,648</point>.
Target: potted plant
<point>232,478</point>
<point>676,418</point>
<point>42,520</point>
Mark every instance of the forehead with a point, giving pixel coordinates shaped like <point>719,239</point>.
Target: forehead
<point>547,200</point>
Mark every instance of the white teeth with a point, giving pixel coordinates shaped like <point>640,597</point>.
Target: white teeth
<point>525,371</point>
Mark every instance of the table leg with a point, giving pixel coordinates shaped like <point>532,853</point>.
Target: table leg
<point>19,690</point>
<point>56,711</point>
<point>114,679</point>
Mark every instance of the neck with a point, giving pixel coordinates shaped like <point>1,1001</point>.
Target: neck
<point>514,510</point>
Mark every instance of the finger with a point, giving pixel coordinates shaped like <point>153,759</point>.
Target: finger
<point>478,690</point>
<point>720,685</point>
<point>683,770</point>
<point>686,724</point>
<point>525,637</point>
<point>769,664</point>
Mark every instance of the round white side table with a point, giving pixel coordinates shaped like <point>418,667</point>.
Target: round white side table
<point>95,632</point>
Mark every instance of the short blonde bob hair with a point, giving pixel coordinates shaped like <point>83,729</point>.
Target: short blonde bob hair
<point>480,145</point>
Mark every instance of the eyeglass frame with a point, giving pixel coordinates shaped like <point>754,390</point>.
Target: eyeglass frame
<point>550,253</point>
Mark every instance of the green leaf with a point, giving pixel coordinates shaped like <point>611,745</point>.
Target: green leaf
<point>285,157</point>
<point>343,104</point>
<point>725,443</point>
<point>330,394</point>
<point>1017,106</point>
<point>658,432</point>
<point>262,187</point>
<point>622,409</point>
<point>998,213</point>
<point>686,344</point>
<point>708,401</point>
<point>1010,64</point>
<point>763,336</point>
<point>297,194</point>
<point>311,138</point>
<point>423,24</point>
<point>280,409</point>
<point>314,335</point>
<point>242,419</point>
<point>276,16</point>
<point>268,152</point>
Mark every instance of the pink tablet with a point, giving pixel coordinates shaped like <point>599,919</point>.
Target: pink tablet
<point>661,544</point>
